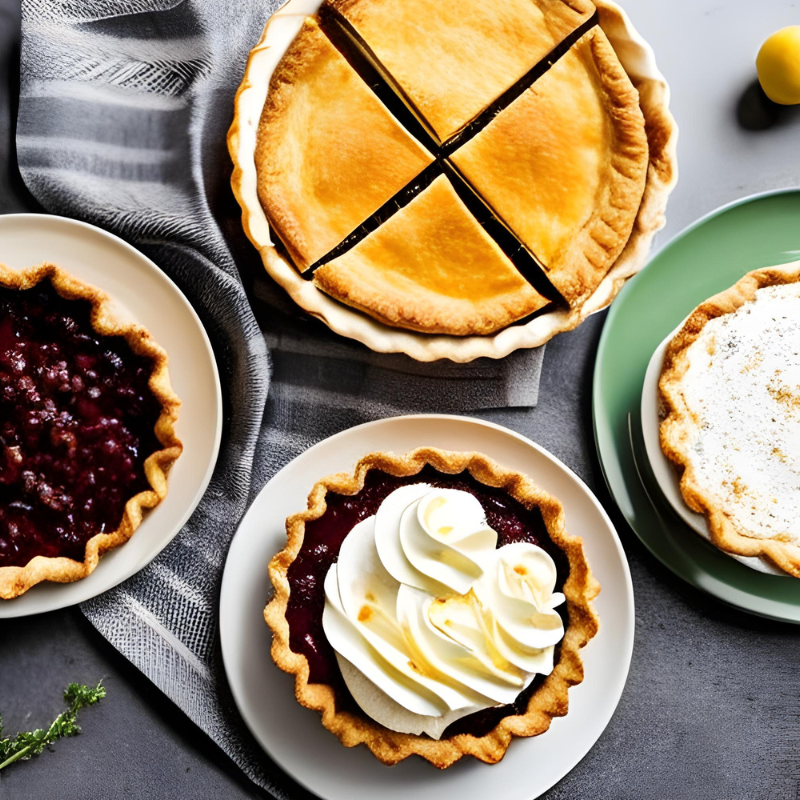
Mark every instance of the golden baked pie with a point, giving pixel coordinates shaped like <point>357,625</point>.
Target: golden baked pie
<point>87,427</point>
<point>431,604</point>
<point>382,114</point>
<point>730,387</point>
<point>431,267</point>
<point>573,142</point>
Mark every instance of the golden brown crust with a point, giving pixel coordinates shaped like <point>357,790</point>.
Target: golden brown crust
<point>548,701</point>
<point>662,168</point>
<point>661,132</point>
<point>565,165</point>
<point>326,160</point>
<point>431,267</point>
<point>677,422</point>
<point>14,581</point>
<point>444,75</point>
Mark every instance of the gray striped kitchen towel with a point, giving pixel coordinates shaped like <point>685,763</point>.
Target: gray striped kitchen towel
<point>123,113</point>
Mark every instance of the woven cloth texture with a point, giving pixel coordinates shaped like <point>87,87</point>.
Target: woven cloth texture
<point>124,108</point>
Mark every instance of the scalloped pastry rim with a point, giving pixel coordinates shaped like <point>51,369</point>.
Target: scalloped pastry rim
<point>549,700</point>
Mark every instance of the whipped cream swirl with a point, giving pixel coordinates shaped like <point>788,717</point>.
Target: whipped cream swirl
<point>431,621</point>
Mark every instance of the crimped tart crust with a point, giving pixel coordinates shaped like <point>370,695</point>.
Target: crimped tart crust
<point>550,699</point>
<point>679,428</point>
<point>15,580</point>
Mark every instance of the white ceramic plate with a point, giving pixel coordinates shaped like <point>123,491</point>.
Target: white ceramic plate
<point>152,299</point>
<point>294,737</point>
<point>663,468</point>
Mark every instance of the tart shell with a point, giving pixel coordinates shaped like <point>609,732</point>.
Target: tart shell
<point>675,432</point>
<point>15,581</point>
<point>548,701</point>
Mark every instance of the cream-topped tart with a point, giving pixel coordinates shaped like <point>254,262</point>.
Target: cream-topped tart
<point>431,604</point>
<point>430,620</point>
<point>730,386</point>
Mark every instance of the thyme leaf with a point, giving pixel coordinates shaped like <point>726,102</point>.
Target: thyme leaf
<point>30,743</point>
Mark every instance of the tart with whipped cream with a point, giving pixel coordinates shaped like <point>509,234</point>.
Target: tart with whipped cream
<point>431,604</point>
<point>87,427</point>
<point>730,387</point>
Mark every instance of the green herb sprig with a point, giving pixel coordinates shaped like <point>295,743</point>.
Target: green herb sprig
<point>27,744</point>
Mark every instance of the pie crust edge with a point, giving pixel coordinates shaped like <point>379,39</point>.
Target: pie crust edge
<point>661,130</point>
<point>15,581</point>
<point>548,701</point>
<point>675,428</point>
<point>599,243</point>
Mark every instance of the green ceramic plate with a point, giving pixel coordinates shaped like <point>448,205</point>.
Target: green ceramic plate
<point>706,258</point>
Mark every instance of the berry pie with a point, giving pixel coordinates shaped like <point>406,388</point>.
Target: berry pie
<point>431,604</point>
<point>87,427</point>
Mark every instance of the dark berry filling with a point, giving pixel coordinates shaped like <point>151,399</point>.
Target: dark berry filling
<point>323,539</point>
<point>76,424</point>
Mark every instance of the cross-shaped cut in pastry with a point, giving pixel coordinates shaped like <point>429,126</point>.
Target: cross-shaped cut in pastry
<point>564,166</point>
<point>450,60</point>
<point>329,153</point>
<point>431,267</point>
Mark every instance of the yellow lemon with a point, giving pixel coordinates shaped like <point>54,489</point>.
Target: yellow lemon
<point>778,65</point>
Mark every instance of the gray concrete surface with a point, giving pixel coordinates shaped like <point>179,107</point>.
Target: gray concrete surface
<point>712,705</point>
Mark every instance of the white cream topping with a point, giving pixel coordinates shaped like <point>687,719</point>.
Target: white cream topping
<point>743,389</point>
<point>431,621</point>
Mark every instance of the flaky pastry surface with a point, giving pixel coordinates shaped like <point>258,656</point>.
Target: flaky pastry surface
<point>564,166</point>
<point>431,267</point>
